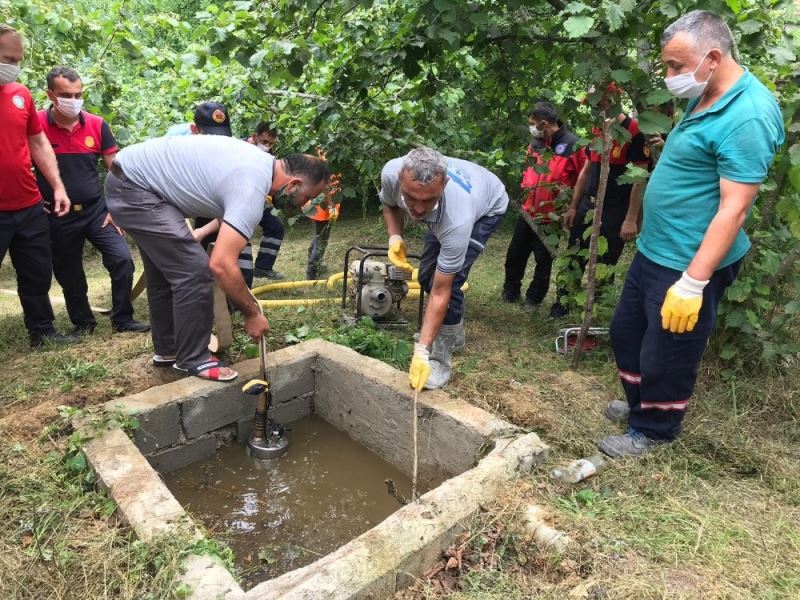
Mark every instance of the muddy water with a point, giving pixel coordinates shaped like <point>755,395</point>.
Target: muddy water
<point>283,514</point>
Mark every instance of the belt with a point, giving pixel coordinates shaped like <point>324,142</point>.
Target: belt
<point>81,206</point>
<point>76,208</point>
<point>116,169</point>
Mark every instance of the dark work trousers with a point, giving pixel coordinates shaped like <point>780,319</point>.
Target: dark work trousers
<point>658,369</point>
<point>68,235</point>
<point>179,282</point>
<point>524,242</point>
<point>317,247</point>
<point>245,256</point>
<point>272,232</point>
<point>614,212</point>
<point>481,232</point>
<point>25,235</point>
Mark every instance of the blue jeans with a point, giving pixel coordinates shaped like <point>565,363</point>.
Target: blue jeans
<point>481,232</point>
<point>658,369</point>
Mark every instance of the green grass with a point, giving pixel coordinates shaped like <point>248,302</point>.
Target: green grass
<point>712,516</point>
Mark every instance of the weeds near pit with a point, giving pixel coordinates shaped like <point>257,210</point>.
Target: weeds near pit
<point>363,337</point>
<point>65,371</point>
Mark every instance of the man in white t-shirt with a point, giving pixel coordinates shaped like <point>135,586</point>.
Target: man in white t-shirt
<point>150,191</point>
<point>462,204</point>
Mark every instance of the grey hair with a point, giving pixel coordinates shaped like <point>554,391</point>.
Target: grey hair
<point>424,164</point>
<point>706,29</point>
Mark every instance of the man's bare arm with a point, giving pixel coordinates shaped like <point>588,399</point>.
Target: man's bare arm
<point>45,159</point>
<point>735,202</point>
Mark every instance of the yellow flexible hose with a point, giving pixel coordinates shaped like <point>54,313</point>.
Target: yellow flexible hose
<point>413,290</point>
<point>297,302</point>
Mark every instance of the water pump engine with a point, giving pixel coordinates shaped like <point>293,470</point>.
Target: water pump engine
<point>381,288</point>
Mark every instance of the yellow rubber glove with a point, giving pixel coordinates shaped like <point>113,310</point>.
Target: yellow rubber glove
<point>420,367</point>
<point>397,252</point>
<point>682,304</point>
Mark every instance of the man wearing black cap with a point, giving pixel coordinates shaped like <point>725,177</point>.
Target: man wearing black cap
<point>205,230</point>
<point>155,185</point>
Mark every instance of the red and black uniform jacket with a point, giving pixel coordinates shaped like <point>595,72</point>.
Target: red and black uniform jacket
<point>77,153</point>
<point>561,172</point>
<point>634,151</point>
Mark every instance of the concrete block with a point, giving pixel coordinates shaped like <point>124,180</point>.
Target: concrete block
<point>204,413</point>
<point>183,455</point>
<point>158,428</point>
<point>142,498</point>
<point>291,377</point>
<point>209,579</point>
<point>372,402</point>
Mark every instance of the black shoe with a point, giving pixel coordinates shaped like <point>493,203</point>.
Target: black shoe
<point>557,311</point>
<point>83,330</point>
<point>530,305</point>
<point>41,340</point>
<point>509,297</point>
<point>132,325</point>
<point>268,273</point>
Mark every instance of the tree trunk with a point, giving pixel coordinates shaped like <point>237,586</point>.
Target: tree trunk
<point>591,267</point>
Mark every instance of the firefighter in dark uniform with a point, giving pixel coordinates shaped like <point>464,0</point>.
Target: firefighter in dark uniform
<point>79,139</point>
<point>622,203</point>
<point>545,182</point>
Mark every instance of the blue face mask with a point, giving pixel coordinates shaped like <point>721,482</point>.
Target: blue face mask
<point>685,85</point>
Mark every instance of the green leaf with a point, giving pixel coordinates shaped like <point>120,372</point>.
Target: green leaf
<point>794,177</point>
<point>258,58</point>
<point>658,97</point>
<point>614,15</point>
<point>749,27</point>
<point>794,154</point>
<point>633,174</point>
<point>621,75</point>
<point>651,122</point>
<point>782,54</point>
<point>76,463</point>
<point>577,26</point>
<point>734,5</point>
<point>577,7</point>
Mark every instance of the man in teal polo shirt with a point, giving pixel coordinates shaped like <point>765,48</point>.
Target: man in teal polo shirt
<point>692,242</point>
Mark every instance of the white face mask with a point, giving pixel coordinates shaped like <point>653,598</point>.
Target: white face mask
<point>69,107</point>
<point>263,147</point>
<point>685,85</point>
<point>8,73</point>
<point>536,132</point>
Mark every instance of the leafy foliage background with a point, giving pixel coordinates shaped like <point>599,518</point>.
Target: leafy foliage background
<point>367,79</point>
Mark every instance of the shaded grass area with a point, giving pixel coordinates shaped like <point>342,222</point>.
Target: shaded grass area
<point>712,516</point>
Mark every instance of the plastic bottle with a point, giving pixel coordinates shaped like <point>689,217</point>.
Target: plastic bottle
<point>580,469</point>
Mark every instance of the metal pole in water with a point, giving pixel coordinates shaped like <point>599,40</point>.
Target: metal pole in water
<point>268,439</point>
<point>414,435</point>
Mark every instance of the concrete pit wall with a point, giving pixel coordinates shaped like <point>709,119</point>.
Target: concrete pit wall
<point>187,420</point>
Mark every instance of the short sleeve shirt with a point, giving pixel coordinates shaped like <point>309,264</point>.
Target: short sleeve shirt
<point>77,153</point>
<point>735,139</point>
<point>471,193</point>
<point>211,176</point>
<point>18,188</point>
